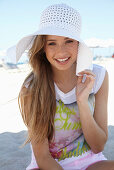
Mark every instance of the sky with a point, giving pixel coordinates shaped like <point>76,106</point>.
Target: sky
<point>19,18</point>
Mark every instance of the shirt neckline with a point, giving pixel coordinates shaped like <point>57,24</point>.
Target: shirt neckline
<point>62,93</point>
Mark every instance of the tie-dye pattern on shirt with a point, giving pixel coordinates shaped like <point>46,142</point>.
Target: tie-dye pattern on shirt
<point>68,139</point>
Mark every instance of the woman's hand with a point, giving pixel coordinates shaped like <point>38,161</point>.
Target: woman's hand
<point>83,89</point>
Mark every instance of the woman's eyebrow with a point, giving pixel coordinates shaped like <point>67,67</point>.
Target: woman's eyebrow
<point>56,40</point>
<point>51,40</point>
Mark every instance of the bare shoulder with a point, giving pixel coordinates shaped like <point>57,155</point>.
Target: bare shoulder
<point>23,94</point>
<point>101,102</point>
<point>27,84</point>
<point>103,91</point>
<point>23,90</point>
<point>24,100</point>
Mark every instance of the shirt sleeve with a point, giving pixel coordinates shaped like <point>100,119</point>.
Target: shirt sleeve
<point>99,71</point>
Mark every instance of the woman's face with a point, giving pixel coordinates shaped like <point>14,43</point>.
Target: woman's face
<point>60,51</point>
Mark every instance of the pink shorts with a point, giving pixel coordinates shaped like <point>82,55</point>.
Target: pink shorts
<point>74,163</point>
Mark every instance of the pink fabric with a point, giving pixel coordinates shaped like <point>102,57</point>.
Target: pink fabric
<point>83,161</point>
<point>74,163</point>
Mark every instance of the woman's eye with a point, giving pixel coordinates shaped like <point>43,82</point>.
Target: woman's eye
<point>69,41</point>
<point>51,43</point>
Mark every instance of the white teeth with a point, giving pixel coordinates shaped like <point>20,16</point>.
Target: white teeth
<point>63,59</point>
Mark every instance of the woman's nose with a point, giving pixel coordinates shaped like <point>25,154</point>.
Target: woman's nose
<point>61,49</point>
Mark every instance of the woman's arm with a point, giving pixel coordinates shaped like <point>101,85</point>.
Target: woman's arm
<point>43,157</point>
<point>95,128</point>
<point>41,151</point>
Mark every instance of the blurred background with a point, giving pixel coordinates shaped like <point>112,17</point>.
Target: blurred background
<point>19,18</point>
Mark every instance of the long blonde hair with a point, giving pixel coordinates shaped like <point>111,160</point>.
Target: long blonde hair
<point>37,103</point>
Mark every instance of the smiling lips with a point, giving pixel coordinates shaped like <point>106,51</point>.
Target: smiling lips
<point>62,60</point>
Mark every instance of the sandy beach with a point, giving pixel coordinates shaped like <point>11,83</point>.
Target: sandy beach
<point>12,128</point>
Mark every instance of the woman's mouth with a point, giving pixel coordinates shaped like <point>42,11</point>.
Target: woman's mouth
<point>62,60</point>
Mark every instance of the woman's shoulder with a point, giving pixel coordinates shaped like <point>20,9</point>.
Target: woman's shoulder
<point>26,86</point>
<point>28,80</point>
<point>100,72</point>
<point>25,91</point>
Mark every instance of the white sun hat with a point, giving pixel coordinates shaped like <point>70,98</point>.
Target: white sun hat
<point>60,20</point>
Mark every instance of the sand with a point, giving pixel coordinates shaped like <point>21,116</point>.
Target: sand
<point>12,129</point>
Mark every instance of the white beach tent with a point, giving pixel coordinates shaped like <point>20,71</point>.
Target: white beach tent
<point>97,43</point>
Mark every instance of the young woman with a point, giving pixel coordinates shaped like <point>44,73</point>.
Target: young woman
<point>65,112</point>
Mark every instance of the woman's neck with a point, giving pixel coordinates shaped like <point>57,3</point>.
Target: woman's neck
<point>65,79</point>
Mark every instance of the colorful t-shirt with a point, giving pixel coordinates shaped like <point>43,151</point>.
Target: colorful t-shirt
<point>68,139</point>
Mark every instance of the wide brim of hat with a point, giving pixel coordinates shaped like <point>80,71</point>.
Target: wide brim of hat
<point>84,57</point>
<point>27,42</point>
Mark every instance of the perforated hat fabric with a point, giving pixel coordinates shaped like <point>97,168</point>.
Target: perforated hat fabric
<point>60,20</point>
<point>63,17</point>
